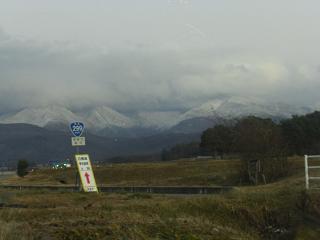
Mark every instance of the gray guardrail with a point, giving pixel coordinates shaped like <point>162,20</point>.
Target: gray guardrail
<point>132,189</point>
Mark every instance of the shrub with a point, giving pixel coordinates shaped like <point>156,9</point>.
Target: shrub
<point>22,168</point>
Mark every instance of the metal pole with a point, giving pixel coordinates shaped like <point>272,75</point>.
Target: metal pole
<point>77,174</point>
<point>76,170</point>
<point>306,170</point>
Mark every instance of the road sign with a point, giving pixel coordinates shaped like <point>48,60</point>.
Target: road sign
<point>78,141</point>
<point>86,173</point>
<point>77,128</point>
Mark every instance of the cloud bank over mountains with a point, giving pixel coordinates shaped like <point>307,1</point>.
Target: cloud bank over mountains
<point>195,64</point>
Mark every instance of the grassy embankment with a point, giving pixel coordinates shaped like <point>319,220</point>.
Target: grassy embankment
<point>281,210</point>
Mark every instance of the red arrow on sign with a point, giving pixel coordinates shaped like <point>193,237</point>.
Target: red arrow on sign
<point>87,177</point>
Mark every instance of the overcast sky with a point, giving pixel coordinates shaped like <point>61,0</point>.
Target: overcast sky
<point>157,54</point>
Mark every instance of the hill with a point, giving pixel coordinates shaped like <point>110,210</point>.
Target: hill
<point>105,121</point>
<point>41,145</point>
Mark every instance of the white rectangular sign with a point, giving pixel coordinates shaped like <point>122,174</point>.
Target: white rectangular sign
<point>78,141</point>
<point>86,173</point>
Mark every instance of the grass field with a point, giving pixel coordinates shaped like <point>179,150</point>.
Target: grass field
<point>185,172</point>
<point>175,173</point>
<point>281,210</point>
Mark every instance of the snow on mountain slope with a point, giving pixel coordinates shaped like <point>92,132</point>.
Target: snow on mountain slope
<point>235,107</point>
<point>207,109</point>
<point>104,117</point>
<point>41,116</point>
<point>158,119</point>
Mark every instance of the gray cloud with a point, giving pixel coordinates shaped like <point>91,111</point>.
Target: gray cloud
<point>142,79</point>
<point>158,55</point>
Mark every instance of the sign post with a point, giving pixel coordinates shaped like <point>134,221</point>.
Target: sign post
<point>77,129</point>
<point>84,168</point>
<point>86,173</point>
<point>78,141</point>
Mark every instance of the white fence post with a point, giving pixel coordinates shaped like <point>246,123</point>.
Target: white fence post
<point>306,170</point>
<point>308,167</point>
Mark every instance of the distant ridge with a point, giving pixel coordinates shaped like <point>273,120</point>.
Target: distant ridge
<point>105,121</point>
<point>41,145</point>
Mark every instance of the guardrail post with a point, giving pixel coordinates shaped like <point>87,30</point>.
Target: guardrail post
<point>306,170</point>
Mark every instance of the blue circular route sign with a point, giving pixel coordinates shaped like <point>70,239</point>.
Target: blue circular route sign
<point>77,128</point>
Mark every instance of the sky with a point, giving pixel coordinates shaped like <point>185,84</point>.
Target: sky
<point>157,55</point>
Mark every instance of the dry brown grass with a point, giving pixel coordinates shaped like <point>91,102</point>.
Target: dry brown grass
<point>282,210</point>
<point>101,216</point>
<point>274,211</point>
<point>175,173</point>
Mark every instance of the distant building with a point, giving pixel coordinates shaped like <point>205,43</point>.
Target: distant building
<point>204,157</point>
<point>60,165</point>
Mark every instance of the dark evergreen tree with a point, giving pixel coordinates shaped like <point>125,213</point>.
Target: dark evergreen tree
<point>303,133</point>
<point>218,140</point>
<point>22,168</point>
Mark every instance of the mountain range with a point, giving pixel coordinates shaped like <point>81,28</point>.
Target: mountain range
<point>40,145</point>
<point>42,134</point>
<point>104,121</point>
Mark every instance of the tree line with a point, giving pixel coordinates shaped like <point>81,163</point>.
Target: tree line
<point>263,145</point>
<point>298,135</point>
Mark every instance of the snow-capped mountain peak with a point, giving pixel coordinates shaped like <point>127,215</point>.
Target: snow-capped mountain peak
<point>106,119</point>
<point>207,109</point>
<point>102,117</point>
<point>235,107</point>
<point>42,116</point>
